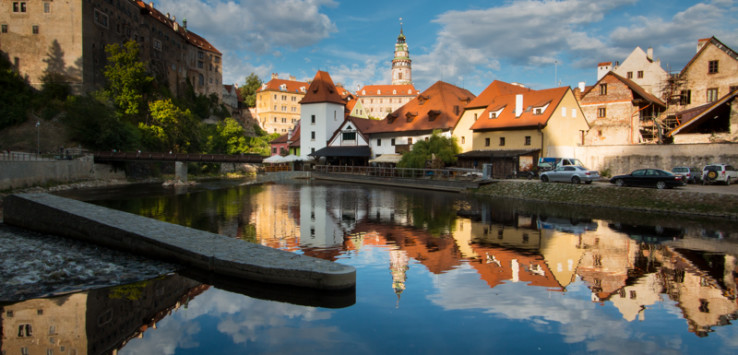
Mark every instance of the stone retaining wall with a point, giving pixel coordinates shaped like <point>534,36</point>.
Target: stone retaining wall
<point>20,174</point>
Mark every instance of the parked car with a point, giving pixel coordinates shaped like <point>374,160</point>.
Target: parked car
<point>691,175</point>
<point>661,179</point>
<point>574,174</point>
<point>719,173</point>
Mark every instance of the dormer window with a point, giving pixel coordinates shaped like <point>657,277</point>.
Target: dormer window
<point>537,111</point>
<point>283,87</point>
<point>493,115</point>
<point>394,92</point>
<point>302,89</point>
<point>379,92</point>
<point>496,113</point>
<point>409,91</point>
<point>363,92</point>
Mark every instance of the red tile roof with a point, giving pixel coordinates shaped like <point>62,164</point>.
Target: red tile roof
<point>289,85</point>
<point>295,138</point>
<point>439,107</point>
<point>495,89</point>
<point>321,90</point>
<point>387,90</point>
<point>531,100</point>
<point>635,88</point>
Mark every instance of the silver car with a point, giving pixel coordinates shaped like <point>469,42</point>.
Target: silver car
<point>573,174</point>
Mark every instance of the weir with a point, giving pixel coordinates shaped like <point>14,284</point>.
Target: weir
<point>209,252</point>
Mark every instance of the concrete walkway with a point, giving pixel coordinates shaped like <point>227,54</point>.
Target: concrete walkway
<point>170,242</point>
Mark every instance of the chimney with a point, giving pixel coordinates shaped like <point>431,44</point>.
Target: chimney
<point>582,86</point>
<point>518,105</point>
<point>602,69</point>
<point>151,4</point>
<point>292,77</point>
<point>184,23</point>
<point>701,43</point>
<point>275,75</point>
<point>169,17</point>
<point>649,53</point>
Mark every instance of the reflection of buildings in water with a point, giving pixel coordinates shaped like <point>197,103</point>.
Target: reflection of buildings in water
<point>608,257</point>
<point>566,225</point>
<point>562,252</point>
<point>398,267</point>
<point>632,300</point>
<point>500,264</point>
<point>706,299</point>
<point>272,222</point>
<point>94,322</point>
<point>322,226</point>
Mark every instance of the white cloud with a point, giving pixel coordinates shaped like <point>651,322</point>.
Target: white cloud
<point>254,25</point>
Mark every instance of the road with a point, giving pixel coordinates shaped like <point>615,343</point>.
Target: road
<point>731,189</point>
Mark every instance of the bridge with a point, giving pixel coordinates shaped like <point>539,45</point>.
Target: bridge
<point>180,169</point>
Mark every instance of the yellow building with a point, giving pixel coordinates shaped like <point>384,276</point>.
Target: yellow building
<point>278,104</point>
<point>514,130</point>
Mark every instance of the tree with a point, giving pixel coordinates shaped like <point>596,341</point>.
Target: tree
<point>170,129</point>
<point>127,80</point>
<point>248,91</point>
<point>92,121</point>
<point>15,94</point>
<point>438,150</point>
<point>55,80</point>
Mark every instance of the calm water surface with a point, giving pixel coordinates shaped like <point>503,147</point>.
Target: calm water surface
<point>436,273</point>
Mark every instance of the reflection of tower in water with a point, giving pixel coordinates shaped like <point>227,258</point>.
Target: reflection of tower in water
<point>398,267</point>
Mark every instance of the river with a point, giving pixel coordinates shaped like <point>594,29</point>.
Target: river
<point>436,273</point>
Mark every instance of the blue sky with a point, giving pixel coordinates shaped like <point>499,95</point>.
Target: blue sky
<point>540,44</point>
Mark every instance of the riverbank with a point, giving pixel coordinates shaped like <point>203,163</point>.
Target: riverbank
<point>673,201</point>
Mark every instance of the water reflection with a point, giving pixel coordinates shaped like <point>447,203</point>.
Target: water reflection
<point>584,281</point>
<point>93,322</point>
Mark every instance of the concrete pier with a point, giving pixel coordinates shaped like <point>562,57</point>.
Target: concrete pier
<point>165,241</point>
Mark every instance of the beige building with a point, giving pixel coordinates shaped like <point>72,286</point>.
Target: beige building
<point>710,75</point>
<point>69,38</point>
<point>278,104</point>
<point>641,68</point>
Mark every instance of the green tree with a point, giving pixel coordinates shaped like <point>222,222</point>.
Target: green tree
<point>92,122</point>
<point>128,82</point>
<point>437,149</point>
<point>248,91</point>
<point>55,80</point>
<point>170,128</point>
<point>15,94</point>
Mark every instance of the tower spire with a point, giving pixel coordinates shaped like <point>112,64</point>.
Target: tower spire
<point>401,64</point>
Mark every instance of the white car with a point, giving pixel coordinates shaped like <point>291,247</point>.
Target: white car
<point>574,173</point>
<point>719,173</point>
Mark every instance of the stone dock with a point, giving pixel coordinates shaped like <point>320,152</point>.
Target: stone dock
<point>159,240</point>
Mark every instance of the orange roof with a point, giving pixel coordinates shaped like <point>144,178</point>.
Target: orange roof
<point>322,89</point>
<point>350,105</point>
<point>288,85</point>
<point>439,107</point>
<point>604,63</point>
<point>279,140</point>
<point>635,88</point>
<point>387,90</point>
<point>497,88</point>
<point>533,99</point>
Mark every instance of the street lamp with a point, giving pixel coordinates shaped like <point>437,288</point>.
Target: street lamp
<point>38,138</point>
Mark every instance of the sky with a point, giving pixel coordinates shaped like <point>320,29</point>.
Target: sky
<point>538,43</point>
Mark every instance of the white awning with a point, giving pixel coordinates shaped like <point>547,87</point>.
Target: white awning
<point>387,159</point>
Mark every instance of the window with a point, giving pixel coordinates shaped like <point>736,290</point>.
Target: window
<point>527,140</point>
<point>312,119</point>
<point>712,95</point>
<point>685,97</point>
<point>603,89</point>
<point>5,28</point>
<point>201,79</point>
<point>640,74</point>
<point>601,112</point>
<point>157,44</point>
<point>349,136</point>
<point>312,135</point>
<point>410,141</point>
<point>101,18</point>
<point>712,67</point>
<point>379,142</point>
<point>475,116</point>
<point>502,141</point>
<point>463,139</point>
<point>392,142</point>
<point>19,6</point>
<point>47,7</point>
<point>630,75</point>
<point>25,330</point>
<point>486,142</point>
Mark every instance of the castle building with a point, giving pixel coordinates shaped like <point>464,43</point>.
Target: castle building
<point>69,38</point>
<point>381,100</point>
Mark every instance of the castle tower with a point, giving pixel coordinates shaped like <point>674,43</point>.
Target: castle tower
<point>401,64</point>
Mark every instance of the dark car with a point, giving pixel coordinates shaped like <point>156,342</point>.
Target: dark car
<point>661,179</point>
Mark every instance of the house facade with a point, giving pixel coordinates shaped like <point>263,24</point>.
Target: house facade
<point>278,104</point>
<point>710,75</point>
<point>321,113</point>
<point>641,68</point>
<point>619,111</point>
<point>69,38</point>
<point>514,130</point>
<point>381,100</point>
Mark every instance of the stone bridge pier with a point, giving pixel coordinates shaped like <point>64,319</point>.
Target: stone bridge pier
<point>180,171</point>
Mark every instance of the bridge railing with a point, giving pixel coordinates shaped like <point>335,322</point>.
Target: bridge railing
<point>402,173</point>
<point>184,157</point>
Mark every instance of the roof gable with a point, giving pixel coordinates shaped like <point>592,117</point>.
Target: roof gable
<point>537,108</point>
<point>322,90</point>
<point>283,85</point>
<point>705,43</point>
<point>692,117</point>
<point>635,88</point>
<point>438,107</point>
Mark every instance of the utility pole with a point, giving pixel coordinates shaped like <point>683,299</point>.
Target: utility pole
<point>38,138</point>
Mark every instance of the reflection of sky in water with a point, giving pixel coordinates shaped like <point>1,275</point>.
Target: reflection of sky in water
<point>445,313</point>
<point>452,309</point>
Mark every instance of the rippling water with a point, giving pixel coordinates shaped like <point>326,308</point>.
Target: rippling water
<point>436,273</point>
